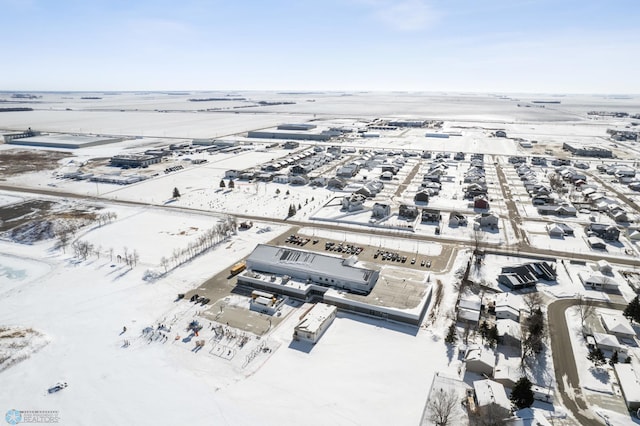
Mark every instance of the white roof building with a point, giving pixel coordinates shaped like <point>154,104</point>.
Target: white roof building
<point>315,322</point>
<point>469,308</point>
<point>329,271</point>
<point>629,379</point>
<point>608,342</point>
<point>617,325</point>
<point>509,332</point>
<point>489,392</point>
<point>481,360</point>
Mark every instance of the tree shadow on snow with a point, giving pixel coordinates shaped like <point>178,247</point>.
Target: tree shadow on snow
<point>600,374</point>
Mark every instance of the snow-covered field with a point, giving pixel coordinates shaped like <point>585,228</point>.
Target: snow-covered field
<point>64,316</point>
<point>82,307</point>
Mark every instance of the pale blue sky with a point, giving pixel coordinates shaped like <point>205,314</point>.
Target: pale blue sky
<point>424,45</point>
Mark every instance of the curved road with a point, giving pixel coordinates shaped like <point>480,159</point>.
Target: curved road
<point>566,371</point>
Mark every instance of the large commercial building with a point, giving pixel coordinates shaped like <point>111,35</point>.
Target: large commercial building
<point>64,141</point>
<point>319,269</point>
<point>134,160</point>
<point>311,277</point>
<point>302,131</point>
<point>585,150</point>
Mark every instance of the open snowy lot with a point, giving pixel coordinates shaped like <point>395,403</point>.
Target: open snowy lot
<point>111,323</point>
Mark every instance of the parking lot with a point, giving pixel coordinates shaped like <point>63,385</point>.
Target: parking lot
<point>372,254</point>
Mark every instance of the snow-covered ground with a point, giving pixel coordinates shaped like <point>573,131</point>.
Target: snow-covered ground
<point>68,314</point>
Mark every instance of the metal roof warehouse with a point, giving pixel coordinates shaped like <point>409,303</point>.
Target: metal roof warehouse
<point>307,266</point>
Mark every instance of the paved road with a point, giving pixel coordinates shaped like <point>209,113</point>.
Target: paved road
<point>500,248</point>
<point>564,362</point>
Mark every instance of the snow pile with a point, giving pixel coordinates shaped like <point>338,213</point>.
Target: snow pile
<point>18,343</point>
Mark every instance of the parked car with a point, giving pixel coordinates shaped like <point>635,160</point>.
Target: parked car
<point>57,387</point>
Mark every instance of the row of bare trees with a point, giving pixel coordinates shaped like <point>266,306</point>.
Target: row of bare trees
<point>213,236</point>
<point>65,232</point>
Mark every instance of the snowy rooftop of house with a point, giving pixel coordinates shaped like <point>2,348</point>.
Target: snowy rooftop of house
<point>508,327</point>
<point>472,302</point>
<point>310,262</point>
<point>316,317</point>
<point>617,324</point>
<point>528,417</point>
<point>490,392</point>
<point>508,300</point>
<point>607,340</point>
<point>468,314</point>
<point>481,354</point>
<point>629,378</point>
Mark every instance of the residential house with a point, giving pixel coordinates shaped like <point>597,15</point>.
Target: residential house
<point>386,175</point>
<point>298,180</point>
<point>617,325</point>
<point>489,220</point>
<point>281,179</point>
<point>609,343</point>
<point>562,210</point>
<point>602,230</point>
<point>353,202</point>
<point>380,211</point>
<point>480,360</point>
<point>596,243</point>
<point>474,189</point>
<point>421,197</point>
<point>509,332</point>
<point>481,202</point>
<point>469,307</point>
<point>491,400</point>
<point>526,275</point>
<point>430,215</point>
<point>456,219</point>
<point>232,174</point>
<point>408,212</point>
<point>348,171</point>
<point>559,229</point>
<point>337,183</point>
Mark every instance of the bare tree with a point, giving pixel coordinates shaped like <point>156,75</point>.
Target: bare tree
<point>586,309</point>
<point>164,262</point>
<point>533,301</point>
<point>440,405</point>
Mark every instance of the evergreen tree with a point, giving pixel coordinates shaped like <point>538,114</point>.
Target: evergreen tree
<point>231,184</point>
<point>277,191</point>
<point>292,210</point>
<point>484,330</point>
<point>522,395</point>
<point>632,311</point>
<point>222,185</point>
<point>492,336</point>
<point>597,357</point>
<point>452,336</point>
<point>287,193</point>
<point>176,193</point>
<point>614,358</point>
